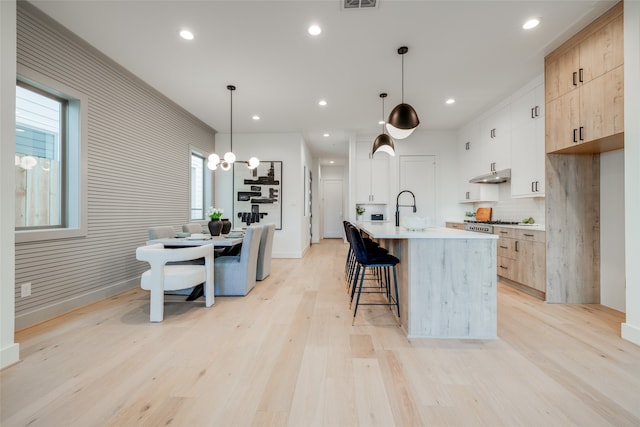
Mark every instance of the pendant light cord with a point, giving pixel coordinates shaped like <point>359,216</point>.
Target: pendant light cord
<point>231,121</point>
<point>383,122</point>
<point>402,78</point>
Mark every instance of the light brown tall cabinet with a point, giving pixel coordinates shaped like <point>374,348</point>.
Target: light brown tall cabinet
<point>584,85</point>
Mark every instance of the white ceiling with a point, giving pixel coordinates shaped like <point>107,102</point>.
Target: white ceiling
<point>473,51</point>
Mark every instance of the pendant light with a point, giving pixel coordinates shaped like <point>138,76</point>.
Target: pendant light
<point>383,142</point>
<point>403,118</point>
<point>229,158</point>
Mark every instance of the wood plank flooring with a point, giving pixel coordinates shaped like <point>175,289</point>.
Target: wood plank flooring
<point>287,355</point>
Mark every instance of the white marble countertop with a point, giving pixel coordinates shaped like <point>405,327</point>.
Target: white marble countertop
<point>388,230</point>
<point>533,227</point>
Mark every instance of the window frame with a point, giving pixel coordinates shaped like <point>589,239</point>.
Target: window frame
<point>74,206</point>
<point>207,184</point>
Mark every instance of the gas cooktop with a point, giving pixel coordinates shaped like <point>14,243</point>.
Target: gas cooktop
<point>493,222</point>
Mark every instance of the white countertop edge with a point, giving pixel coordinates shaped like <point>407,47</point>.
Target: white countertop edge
<point>390,231</point>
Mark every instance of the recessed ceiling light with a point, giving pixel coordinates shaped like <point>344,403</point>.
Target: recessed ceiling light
<point>322,103</point>
<point>450,101</point>
<point>331,161</point>
<point>326,135</point>
<point>186,34</point>
<point>256,117</point>
<point>531,23</point>
<point>314,30</point>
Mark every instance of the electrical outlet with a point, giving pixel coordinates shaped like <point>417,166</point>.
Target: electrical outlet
<point>25,290</point>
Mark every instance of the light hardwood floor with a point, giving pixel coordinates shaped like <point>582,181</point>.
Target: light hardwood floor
<point>287,354</point>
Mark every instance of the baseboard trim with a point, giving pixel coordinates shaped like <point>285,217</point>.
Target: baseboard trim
<point>630,333</point>
<point>43,314</point>
<point>9,355</point>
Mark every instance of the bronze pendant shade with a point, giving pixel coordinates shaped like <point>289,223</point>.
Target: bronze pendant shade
<point>383,142</point>
<point>403,119</point>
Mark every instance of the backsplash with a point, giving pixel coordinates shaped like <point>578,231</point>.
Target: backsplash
<point>509,209</point>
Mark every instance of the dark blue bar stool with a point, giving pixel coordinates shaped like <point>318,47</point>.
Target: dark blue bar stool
<point>369,258</point>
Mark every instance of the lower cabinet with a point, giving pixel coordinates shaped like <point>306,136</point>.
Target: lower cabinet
<point>521,256</point>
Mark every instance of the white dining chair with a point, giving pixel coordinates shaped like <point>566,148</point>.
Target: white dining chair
<point>162,277</point>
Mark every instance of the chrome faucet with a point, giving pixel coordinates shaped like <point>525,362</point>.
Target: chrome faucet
<point>398,206</point>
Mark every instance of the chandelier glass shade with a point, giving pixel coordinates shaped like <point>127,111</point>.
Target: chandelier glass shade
<point>214,161</point>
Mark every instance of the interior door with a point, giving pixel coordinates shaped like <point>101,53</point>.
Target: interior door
<point>418,174</point>
<point>332,208</point>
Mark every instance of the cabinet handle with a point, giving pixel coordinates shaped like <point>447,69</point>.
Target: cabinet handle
<point>467,146</point>
<point>517,248</point>
<point>504,247</point>
<point>467,195</point>
<point>504,232</point>
<point>575,135</point>
<point>537,110</point>
<point>532,113</point>
<point>537,186</point>
<point>580,74</point>
<point>575,75</point>
<point>503,267</point>
<point>581,133</point>
<point>528,235</point>
<point>532,187</point>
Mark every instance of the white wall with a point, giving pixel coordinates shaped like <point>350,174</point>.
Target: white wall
<point>612,275</point>
<point>631,328</point>
<point>442,145</point>
<point>291,241</point>
<point>8,349</point>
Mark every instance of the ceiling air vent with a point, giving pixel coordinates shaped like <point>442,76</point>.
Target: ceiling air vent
<point>359,4</point>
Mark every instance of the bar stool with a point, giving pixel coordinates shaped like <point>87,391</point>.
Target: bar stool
<point>371,259</point>
<point>352,267</point>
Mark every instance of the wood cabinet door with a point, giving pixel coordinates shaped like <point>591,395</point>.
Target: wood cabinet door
<point>559,71</point>
<point>539,267</point>
<point>524,262</point>
<point>602,106</point>
<point>562,117</point>
<point>603,51</point>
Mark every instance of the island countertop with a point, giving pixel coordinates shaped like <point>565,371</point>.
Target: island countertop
<point>388,230</point>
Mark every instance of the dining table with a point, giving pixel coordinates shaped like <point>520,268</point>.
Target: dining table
<point>216,241</point>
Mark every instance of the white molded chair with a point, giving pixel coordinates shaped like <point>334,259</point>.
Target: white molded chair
<point>236,275</point>
<point>162,277</point>
<point>263,268</point>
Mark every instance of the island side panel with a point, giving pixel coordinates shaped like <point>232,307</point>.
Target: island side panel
<point>452,288</point>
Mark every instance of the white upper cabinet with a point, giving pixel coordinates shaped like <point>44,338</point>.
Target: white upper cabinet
<point>470,150</point>
<point>527,143</point>
<point>372,175</point>
<point>495,134</point>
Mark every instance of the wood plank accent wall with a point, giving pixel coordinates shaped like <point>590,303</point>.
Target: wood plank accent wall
<point>137,174</point>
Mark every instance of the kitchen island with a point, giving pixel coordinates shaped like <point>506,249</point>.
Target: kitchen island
<point>446,280</point>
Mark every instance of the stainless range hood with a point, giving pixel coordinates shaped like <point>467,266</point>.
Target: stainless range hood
<point>496,177</point>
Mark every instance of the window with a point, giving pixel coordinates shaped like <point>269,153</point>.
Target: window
<point>39,165</point>
<point>197,186</point>
<point>50,162</point>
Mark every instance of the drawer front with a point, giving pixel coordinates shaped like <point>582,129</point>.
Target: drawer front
<point>531,235</point>
<point>507,247</point>
<point>505,232</point>
<point>507,268</point>
<point>456,225</point>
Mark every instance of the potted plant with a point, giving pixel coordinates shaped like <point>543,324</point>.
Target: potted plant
<point>215,225</point>
<point>359,212</point>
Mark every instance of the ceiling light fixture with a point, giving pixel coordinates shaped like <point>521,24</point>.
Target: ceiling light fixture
<point>322,103</point>
<point>531,23</point>
<point>326,135</point>
<point>403,119</point>
<point>256,117</point>
<point>450,101</point>
<point>229,158</point>
<point>186,34</point>
<point>315,30</point>
<point>383,142</point>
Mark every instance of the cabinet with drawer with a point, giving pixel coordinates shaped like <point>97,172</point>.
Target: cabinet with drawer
<point>521,256</point>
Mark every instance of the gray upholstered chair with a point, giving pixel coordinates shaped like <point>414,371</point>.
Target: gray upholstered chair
<point>161,232</point>
<point>163,277</point>
<point>236,275</point>
<point>263,268</point>
<point>192,227</point>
